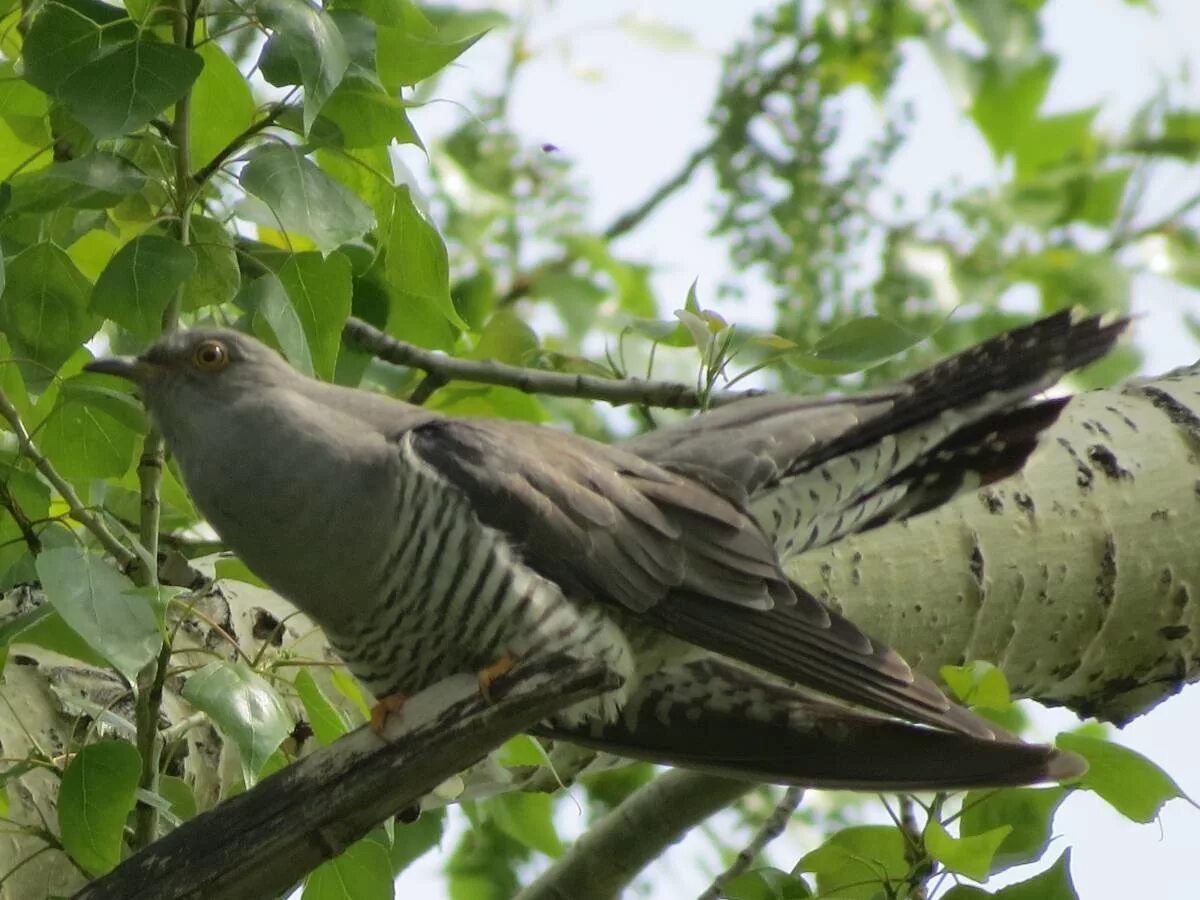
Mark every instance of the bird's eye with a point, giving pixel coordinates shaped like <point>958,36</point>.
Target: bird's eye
<point>210,356</point>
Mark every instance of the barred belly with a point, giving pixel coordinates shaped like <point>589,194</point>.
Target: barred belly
<point>454,597</point>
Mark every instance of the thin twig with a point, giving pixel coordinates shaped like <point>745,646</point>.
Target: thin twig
<point>24,525</point>
<point>618,391</point>
<point>770,830</point>
<point>914,850</point>
<point>205,172</point>
<point>125,558</point>
<point>153,676</point>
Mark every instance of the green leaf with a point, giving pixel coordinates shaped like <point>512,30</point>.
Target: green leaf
<point>43,309</point>
<point>101,606</point>
<point>969,855</point>
<point>233,568</point>
<point>97,794</point>
<point>410,48</point>
<point>528,819</point>
<point>178,794</point>
<point>24,125</point>
<point>656,32</point>
<point>521,750</point>
<point>310,37</point>
<point>136,286</point>
<point>766,884</point>
<point>318,291</point>
<point>1102,197</point>
<point>216,278</point>
<point>276,321</point>
<point>222,105</point>
<point>44,627</point>
<point>362,872</point>
<point>856,861</point>
<point>98,180</point>
<point>856,345</point>
<point>246,709</point>
<point>67,35</point>
<point>1028,812</point>
<point>1008,98</point>
<point>412,841</point>
<point>140,79</point>
<point>979,683</point>
<point>1053,884</point>
<point>86,442</point>
<point>367,116</point>
<point>1049,141</point>
<point>1131,784</point>
<point>508,339</point>
<point>417,265</point>
<point>304,199</point>
<point>327,722</point>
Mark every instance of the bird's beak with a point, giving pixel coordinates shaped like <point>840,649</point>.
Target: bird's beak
<point>132,368</point>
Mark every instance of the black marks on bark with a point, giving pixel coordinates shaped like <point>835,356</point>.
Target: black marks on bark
<point>1106,581</point>
<point>1179,415</point>
<point>1024,503</point>
<point>1084,476</point>
<point>1160,515</point>
<point>267,628</point>
<point>993,501</point>
<point>1106,461</point>
<point>1129,423</point>
<point>976,562</point>
<point>1174,632</point>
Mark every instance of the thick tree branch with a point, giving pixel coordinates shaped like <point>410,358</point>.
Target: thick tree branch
<point>1078,577</point>
<point>614,850</point>
<point>618,391</point>
<point>80,513</point>
<point>259,843</point>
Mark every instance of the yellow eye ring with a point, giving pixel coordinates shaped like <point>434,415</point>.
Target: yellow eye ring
<point>210,356</point>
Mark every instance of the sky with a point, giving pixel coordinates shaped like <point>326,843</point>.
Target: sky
<point>628,114</point>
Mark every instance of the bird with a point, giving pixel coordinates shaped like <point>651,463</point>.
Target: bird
<point>428,545</point>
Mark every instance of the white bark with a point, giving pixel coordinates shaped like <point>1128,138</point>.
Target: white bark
<point>1080,577</point>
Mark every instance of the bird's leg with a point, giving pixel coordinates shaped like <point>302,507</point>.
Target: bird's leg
<point>489,674</point>
<point>390,705</point>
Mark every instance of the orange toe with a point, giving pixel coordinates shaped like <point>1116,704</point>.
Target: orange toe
<point>488,675</point>
<point>390,705</point>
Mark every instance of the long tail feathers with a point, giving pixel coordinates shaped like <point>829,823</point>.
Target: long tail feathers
<point>718,718</point>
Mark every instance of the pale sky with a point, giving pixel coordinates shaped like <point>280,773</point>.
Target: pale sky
<point>645,111</point>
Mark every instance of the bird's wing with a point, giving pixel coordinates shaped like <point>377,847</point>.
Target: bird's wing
<point>674,551</point>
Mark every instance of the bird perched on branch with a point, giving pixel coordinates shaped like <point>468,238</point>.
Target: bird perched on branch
<point>428,545</point>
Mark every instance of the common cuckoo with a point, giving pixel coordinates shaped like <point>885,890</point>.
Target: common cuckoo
<point>428,545</point>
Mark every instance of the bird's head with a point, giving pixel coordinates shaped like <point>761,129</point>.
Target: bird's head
<point>198,367</point>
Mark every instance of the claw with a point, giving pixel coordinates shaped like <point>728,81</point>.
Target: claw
<point>489,675</point>
<point>390,705</point>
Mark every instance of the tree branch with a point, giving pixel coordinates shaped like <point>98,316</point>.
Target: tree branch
<point>618,391</point>
<point>771,829</point>
<point>260,843</point>
<point>614,850</point>
<point>125,558</point>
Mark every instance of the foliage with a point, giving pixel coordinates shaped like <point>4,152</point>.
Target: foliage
<point>234,162</point>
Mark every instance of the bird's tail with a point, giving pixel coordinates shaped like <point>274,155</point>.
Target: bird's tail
<point>718,718</point>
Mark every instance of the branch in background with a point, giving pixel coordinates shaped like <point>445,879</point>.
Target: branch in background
<point>613,851</point>
<point>914,850</point>
<point>618,391</point>
<point>260,843</point>
<point>210,168</point>
<point>125,558</point>
<point>771,829</point>
<point>9,502</point>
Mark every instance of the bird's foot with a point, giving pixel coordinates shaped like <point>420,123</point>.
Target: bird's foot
<point>490,674</point>
<point>391,705</point>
